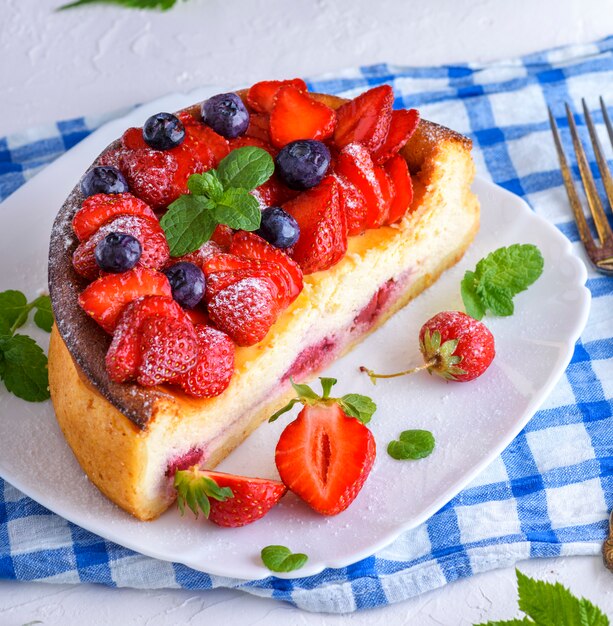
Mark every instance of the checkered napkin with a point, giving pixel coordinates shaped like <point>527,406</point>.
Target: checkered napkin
<point>547,494</point>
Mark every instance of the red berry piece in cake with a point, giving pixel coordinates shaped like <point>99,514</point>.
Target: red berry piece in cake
<point>302,164</point>
<point>454,345</point>
<point>365,119</point>
<point>103,180</point>
<point>245,310</point>
<point>124,355</point>
<point>295,115</point>
<point>324,456</point>
<point>402,126</point>
<point>214,368</point>
<point>398,171</point>
<point>98,209</point>
<point>227,499</point>
<point>163,131</point>
<point>261,96</point>
<point>323,227</point>
<point>353,204</point>
<point>155,252</point>
<point>355,164</point>
<point>169,348</point>
<point>105,298</point>
<point>226,114</point>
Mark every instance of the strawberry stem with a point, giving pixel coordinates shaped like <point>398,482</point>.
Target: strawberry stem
<point>373,376</point>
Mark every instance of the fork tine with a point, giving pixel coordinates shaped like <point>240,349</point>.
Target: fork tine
<point>602,162</point>
<point>600,220</point>
<point>575,203</point>
<point>607,120</point>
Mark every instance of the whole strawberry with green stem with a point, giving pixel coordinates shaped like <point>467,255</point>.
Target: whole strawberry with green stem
<point>454,345</point>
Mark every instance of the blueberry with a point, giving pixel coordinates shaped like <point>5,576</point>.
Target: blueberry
<point>187,283</point>
<point>163,131</point>
<point>105,179</point>
<point>118,252</point>
<point>278,227</point>
<point>226,114</point>
<point>302,164</point>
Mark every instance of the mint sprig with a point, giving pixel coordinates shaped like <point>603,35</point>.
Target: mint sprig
<point>412,444</point>
<point>353,404</point>
<point>282,559</point>
<point>552,604</point>
<point>23,364</point>
<point>218,196</point>
<point>498,278</point>
<point>195,490</point>
<point>162,5</point>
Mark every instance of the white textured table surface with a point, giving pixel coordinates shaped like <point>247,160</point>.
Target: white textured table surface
<point>93,60</point>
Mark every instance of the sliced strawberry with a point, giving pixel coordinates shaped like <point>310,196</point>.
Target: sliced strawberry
<point>324,457</point>
<point>208,146</point>
<point>355,164</point>
<point>105,298</point>
<point>155,252</point>
<point>198,316</point>
<point>124,354</point>
<point>251,246</point>
<point>261,96</point>
<point>100,208</point>
<point>387,193</point>
<point>259,127</point>
<point>398,171</point>
<point>353,204</point>
<point>133,139</point>
<point>323,227</point>
<point>245,310</point>
<point>402,126</point>
<point>214,368</point>
<point>365,119</point>
<point>244,141</point>
<point>273,193</point>
<point>169,348</point>
<point>295,115</point>
<point>158,177</point>
<point>207,250</point>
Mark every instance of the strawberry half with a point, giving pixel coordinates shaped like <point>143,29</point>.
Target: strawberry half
<point>295,115</point>
<point>123,357</point>
<point>365,119</point>
<point>398,171</point>
<point>214,368</point>
<point>355,164</point>
<point>105,298</point>
<point>155,252</point>
<point>261,96</point>
<point>353,204</point>
<point>98,209</point>
<point>206,146</point>
<point>323,227</point>
<point>245,310</point>
<point>402,127</point>
<point>244,141</point>
<point>227,499</point>
<point>324,456</point>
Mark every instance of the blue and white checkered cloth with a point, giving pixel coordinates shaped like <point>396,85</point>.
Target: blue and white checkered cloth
<point>547,494</point>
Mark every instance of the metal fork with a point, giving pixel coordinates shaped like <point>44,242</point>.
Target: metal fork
<point>601,255</point>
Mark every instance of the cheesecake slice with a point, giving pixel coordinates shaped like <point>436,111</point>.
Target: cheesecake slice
<point>130,439</point>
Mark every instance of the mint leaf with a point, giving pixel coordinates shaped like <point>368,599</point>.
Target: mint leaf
<point>206,184</point>
<point>188,223</point>
<point>499,277</point>
<point>246,168</point>
<point>13,310</point>
<point>412,444</point>
<point>24,368</point>
<point>43,317</point>
<point>510,622</point>
<point>282,559</point>
<point>162,5</point>
<point>238,209</point>
<point>359,406</point>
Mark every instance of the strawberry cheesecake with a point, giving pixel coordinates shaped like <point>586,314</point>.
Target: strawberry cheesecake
<point>209,258</point>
